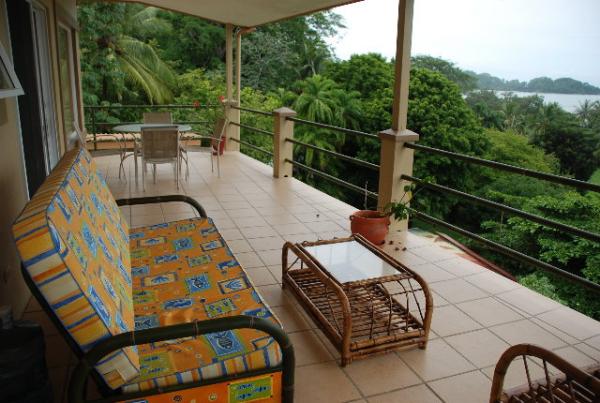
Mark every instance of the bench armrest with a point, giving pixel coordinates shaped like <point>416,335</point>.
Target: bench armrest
<point>163,199</point>
<point>77,384</point>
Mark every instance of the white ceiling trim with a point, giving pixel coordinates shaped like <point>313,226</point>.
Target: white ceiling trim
<point>244,13</point>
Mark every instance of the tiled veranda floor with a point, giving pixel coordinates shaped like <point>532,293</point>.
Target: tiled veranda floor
<point>477,314</point>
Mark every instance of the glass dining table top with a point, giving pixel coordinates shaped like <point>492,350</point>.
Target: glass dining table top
<point>351,261</point>
<point>137,127</point>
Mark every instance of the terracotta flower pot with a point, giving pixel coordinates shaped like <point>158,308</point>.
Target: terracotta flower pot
<point>370,224</point>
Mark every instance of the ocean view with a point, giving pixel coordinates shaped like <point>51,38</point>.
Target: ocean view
<point>569,102</point>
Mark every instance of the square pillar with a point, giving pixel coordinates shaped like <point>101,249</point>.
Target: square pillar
<point>396,160</point>
<point>232,131</point>
<point>282,150</point>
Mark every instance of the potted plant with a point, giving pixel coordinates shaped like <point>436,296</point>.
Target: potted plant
<point>374,224</point>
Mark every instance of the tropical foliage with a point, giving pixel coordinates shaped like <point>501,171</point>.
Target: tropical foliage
<point>135,55</point>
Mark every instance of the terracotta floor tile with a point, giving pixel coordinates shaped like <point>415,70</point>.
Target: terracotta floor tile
<point>492,283</point>
<point>291,317</point>
<point>172,207</point>
<point>449,320</point>
<point>431,273</point>
<point>433,253</point>
<point>481,347</point>
<point>239,245</point>
<point>525,331</point>
<point>516,375</point>
<point>249,223</point>
<point>149,209</point>
<point>248,260</point>
<point>588,350</point>
<point>594,342</point>
<point>489,311</point>
<point>231,234</point>
<point>458,290</point>
<point>144,220</point>
<point>267,243</point>
<point>280,219</point>
<point>528,301</point>
<point>276,272</point>
<point>291,229</point>
<point>323,226</point>
<point>461,267</point>
<point>274,295</point>
<point>261,276</point>
<point>170,217</point>
<point>258,232</point>
<point>572,322</point>
<point>323,383</point>
<point>472,387</point>
<point>58,379</point>
<point>367,374</point>
<point>57,351</point>
<point>224,224</point>
<point>271,257</point>
<point>308,348</point>
<point>414,394</point>
<point>575,357</point>
<point>438,360</point>
<point>242,213</point>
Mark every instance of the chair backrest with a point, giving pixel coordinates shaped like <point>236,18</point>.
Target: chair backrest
<point>157,117</point>
<point>561,380</point>
<point>220,126</point>
<point>74,245</point>
<point>160,143</point>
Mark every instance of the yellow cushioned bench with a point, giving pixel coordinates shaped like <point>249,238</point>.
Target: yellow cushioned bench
<point>121,295</point>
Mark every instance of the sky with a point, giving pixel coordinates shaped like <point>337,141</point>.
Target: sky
<point>510,39</point>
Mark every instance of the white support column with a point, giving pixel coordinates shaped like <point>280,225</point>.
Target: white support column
<point>396,159</point>
<point>282,150</point>
<point>232,114</point>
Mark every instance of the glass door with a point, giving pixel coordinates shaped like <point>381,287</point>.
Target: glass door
<point>44,79</point>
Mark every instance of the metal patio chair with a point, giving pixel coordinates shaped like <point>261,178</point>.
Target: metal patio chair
<point>216,138</point>
<point>160,145</point>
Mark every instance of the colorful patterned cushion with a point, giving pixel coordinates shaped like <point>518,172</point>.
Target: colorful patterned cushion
<point>183,271</point>
<point>73,241</point>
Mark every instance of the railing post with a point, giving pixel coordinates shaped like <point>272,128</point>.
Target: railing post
<point>396,160</point>
<point>282,150</point>
<point>232,131</point>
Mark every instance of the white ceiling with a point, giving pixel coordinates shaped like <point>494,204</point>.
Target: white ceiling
<point>244,13</point>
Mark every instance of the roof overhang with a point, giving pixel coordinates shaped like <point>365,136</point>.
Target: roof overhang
<point>244,13</point>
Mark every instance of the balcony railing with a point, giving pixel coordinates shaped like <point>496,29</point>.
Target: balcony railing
<point>249,143</point>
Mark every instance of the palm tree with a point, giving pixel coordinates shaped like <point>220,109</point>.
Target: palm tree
<point>349,108</point>
<point>137,60</point>
<point>317,100</point>
<point>585,110</point>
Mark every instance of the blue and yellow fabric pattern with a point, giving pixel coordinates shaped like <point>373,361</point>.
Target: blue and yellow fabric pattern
<point>183,271</point>
<point>73,242</point>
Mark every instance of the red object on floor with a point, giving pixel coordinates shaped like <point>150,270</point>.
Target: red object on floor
<point>221,145</point>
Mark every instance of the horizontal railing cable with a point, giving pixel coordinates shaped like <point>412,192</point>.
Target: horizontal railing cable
<point>169,106</point>
<point>257,111</point>
<point>252,129</point>
<point>509,168</point>
<point>502,207</point>
<point>344,157</point>
<point>333,179</point>
<point>252,146</point>
<point>506,250</point>
<point>331,127</point>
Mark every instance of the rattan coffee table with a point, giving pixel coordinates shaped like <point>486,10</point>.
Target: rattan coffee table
<point>365,301</point>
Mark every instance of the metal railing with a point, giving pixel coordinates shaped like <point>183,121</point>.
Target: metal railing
<point>495,246</point>
<point>106,126</point>
<point>256,111</point>
<point>331,127</point>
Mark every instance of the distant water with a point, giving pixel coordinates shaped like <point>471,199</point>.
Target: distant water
<point>569,102</point>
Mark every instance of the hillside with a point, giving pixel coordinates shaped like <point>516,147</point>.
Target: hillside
<point>564,85</point>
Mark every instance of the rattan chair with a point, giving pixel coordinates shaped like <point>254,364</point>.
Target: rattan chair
<point>214,148</point>
<point>561,382</point>
<point>160,145</point>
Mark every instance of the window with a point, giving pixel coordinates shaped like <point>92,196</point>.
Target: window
<point>9,83</point>
<point>68,77</point>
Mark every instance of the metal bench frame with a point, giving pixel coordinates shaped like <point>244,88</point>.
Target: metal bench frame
<point>78,382</point>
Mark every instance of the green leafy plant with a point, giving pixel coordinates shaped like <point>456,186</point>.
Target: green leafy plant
<point>399,209</point>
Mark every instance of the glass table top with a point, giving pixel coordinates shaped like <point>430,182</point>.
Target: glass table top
<point>351,261</point>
